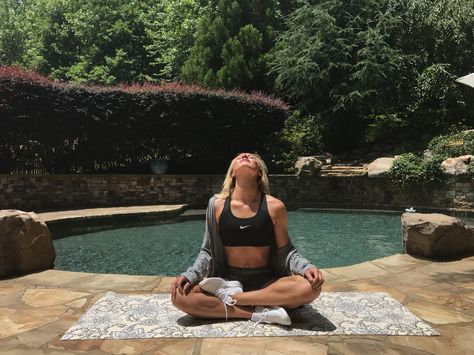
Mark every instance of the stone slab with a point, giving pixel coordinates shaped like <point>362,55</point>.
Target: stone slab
<point>354,346</point>
<point>399,262</point>
<point>16,321</point>
<point>358,271</point>
<point>118,282</point>
<point>40,337</point>
<point>77,303</point>
<point>164,285</point>
<point>55,278</point>
<point>454,339</point>
<point>131,346</point>
<point>10,294</point>
<point>8,288</point>
<point>261,346</point>
<point>437,314</point>
<point>108,211</point>
<point>43,297</point>
<point>365,286</point>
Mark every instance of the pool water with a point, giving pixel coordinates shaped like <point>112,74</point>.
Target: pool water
<point>328,239</point>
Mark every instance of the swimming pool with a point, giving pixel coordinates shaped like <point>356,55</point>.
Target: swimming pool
<point>329,239</point>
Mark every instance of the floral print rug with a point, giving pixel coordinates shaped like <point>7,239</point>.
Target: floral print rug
<point>125,316</point>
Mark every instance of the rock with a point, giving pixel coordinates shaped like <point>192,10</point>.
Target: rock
<point>380,167</point>
<point>25,243</point>
<point>436,235</point>
<point>456,166</point>
<point>309,166</point>
<point>427,154</point>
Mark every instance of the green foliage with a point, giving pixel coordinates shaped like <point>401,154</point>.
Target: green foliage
<point>335,59</point>
<point>11,32</point>
<point>453,145</point>
<point>470,170</point>
<point>303,134</point>
<point>232,42</point>
<point>378,71</point>
<point>388,125</point>
<point>171,25</point>
<point>300,136</point>
<point>410,170</point>
<point>87,41</point>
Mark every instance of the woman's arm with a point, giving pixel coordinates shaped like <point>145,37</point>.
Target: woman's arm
<point>287,257</point>
<point>201,265</point>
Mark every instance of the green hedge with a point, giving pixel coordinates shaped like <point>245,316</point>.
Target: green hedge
<point>56,127</point>
<point>453,144</point>
<point>411,169</point>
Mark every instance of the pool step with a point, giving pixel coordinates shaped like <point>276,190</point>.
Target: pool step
<point>343,170</point>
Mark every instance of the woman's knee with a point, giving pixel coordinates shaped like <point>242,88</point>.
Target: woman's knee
<point>182,302</point>
<point>307,292</point>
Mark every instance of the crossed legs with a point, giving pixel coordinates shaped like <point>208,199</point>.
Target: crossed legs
<point>288,292</point>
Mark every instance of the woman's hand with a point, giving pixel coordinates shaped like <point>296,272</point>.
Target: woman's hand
<point>181,283</point>
<point>315,277</point>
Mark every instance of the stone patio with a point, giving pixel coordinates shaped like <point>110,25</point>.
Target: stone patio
<point>37,309</point>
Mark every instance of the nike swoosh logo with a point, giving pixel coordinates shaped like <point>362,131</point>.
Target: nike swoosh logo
<point>243,227</point>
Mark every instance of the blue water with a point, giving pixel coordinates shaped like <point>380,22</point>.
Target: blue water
<point>328,239</point>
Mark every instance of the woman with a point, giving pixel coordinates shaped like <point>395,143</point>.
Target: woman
<point>248,259</point>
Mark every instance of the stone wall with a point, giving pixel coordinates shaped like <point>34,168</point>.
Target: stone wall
<point>57,192</point>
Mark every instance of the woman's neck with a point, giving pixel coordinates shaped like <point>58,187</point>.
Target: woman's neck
<point>246,191</point>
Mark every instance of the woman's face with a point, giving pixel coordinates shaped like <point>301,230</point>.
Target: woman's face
<point>245,161</point>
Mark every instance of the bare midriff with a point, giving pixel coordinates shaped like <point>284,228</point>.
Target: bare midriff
<point>247,257</point>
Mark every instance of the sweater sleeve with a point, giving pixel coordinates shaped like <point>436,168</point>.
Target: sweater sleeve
<point>200,268</point>
<point>201,265</point>
<point>288,261</point>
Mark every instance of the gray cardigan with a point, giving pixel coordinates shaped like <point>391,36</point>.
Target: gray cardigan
<point>211,258</point>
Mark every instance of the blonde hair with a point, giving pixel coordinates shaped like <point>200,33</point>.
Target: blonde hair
<point>262,181</point>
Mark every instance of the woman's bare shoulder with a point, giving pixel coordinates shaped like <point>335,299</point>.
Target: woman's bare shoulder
<point>218,207</point>
<point>219,201</point>
<point>275,204</point>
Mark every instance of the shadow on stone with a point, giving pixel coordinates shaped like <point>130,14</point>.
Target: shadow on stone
<point>454,277</point>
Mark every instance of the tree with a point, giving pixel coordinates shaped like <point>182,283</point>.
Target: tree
<point>11,34</point>
<point>377,70</point>
<point>232,42</point>
<point>87,40</point>
<point>171,25</point>
<point>334,61</point>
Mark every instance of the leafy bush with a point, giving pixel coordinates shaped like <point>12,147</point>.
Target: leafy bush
<point>303,134</point>
<point>410,170</point>
<point>470,170</point>
<point>70,128</point>
<point>453,145</point>
<point>300,136</point>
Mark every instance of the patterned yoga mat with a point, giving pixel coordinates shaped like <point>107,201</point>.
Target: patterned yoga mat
<point>121,316</point>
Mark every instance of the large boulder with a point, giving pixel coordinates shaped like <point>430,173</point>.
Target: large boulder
<point>308,166</point>
<point>380,167</point>
<point>25,243</point>
<point>436,235</point>
<point>456,166</point>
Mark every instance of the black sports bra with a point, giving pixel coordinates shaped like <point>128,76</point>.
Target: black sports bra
<point>253,231</point>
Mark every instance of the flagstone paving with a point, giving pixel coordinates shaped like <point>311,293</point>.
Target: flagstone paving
<point>37,309</point>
